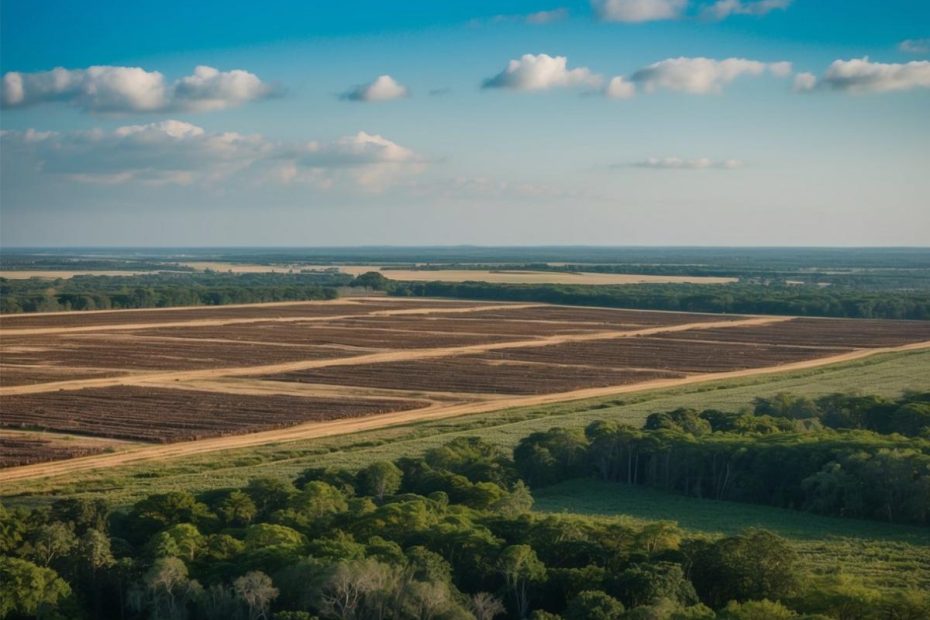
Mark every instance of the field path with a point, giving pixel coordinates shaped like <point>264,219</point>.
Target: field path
<point>436,411</point>
<point>146,377</point>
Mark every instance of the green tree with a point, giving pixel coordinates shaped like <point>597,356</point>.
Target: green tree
<point>52,541</point>
<point>29,590</point>
<point>752,566</point>
<point>237,509</point>
<point>521,568</point>
<point>594,605</point>
<point>756,610</point>
<point>380,479</point>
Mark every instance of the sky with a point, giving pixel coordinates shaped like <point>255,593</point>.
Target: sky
<point>601,122</point>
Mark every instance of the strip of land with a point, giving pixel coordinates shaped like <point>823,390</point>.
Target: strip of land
<point>196,380</point>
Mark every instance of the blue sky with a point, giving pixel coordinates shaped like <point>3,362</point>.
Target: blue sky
<point>651,122</point>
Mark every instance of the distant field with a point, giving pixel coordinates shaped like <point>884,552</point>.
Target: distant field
<point>55,274</point>
<point>882,554</point>
<point>883,374</point>
<point>411,275</point>
<point>502,276</point>
<point>527,277</point>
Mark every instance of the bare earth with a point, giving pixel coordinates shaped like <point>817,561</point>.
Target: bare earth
<point>547,349</point>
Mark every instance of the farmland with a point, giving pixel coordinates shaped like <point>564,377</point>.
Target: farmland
<point>292,371</point>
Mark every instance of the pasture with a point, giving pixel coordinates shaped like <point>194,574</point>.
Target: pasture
<point>881,555</point>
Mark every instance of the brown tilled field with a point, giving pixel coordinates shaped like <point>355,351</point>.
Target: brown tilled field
<point>166,415</point>
<point>186,374</point>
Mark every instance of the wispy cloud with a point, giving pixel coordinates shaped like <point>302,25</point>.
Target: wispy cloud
<point>679,163</point>
<point>536,19</point>
<point>721,9</point>
<point>915,46</point>
<point>637,11</point>
<point>180,153</point>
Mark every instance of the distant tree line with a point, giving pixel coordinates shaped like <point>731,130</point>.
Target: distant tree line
<point>449,535</point>
<point>164,290</point>
<point>789,452</point>
<point>718,298</point>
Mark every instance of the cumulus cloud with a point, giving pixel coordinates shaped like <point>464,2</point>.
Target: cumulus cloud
<point>211,89</point>
<point>132,89</point>
<point>382,88</point>
<point>175,152</point>
<point>635,11</point>
<point>620,88</point>
<point>701,76</point>
<point>914,46</point>
<point>721,9</point>
<point>542,72</point>
<point>861,75</point>
<point>678,163</point>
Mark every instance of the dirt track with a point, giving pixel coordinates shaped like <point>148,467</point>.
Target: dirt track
<point>326,429</point>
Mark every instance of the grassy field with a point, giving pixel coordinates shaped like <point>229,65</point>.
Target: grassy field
<point>882,374</point>
<point>880,554</point>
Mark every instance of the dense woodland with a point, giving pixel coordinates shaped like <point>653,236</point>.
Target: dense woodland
<point>840,455</point>
<point>451,534</point>
<point>162,290</point>
<point>730,298</point>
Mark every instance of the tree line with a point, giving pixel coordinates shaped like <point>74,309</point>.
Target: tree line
<point>447,535</point>
<point>789,452</point>
<point>163,290</point>
<point>717,298</point>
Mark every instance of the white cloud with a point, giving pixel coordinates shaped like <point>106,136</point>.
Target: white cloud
<point>546,17</point>
<point>638,10</point>
<point>860,75</point>
<point>536,19</point>
<point>166,152</point>
<point>678,163</point>
<point>366,161</point>
<point>620,88</point>
<point>132,89</point>
<point>805,82</point>
<point>361,149</point>
<point>382,88</point>
<point>210,89</point>
<point>700,76</point>
<point>175,152</point>
<point>542,72</point>
<point>721,9</point>
<point>914,46</point>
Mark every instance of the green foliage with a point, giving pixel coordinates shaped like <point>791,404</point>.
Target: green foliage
<point>756,565</point>
<point>163,290</point>
<point>594,605</point>
<point>394,553</point>
<point>742,298</point>
<point>29,590</point>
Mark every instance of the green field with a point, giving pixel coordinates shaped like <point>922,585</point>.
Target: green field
<point>887,374</point>
<point>880,554</point>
